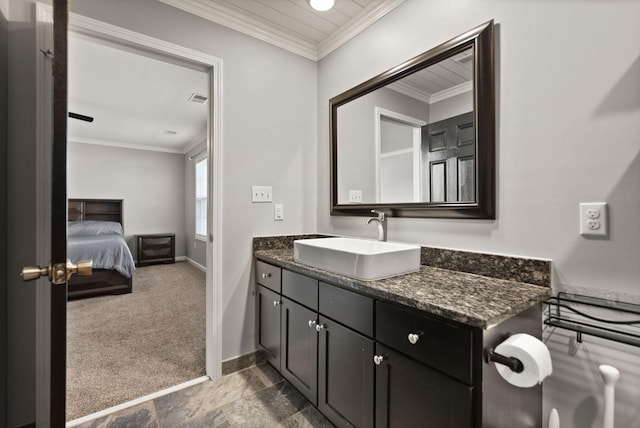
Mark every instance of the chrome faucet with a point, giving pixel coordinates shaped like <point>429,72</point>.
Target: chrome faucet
<point>381,220</point>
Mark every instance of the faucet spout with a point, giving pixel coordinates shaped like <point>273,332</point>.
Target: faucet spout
<point>381,222</point>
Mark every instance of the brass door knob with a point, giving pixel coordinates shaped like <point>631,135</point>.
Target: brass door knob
<point>58,273</point>
<point>84,268</point>
<point>30,273</point>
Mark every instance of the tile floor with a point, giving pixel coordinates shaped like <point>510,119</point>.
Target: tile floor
<point>254,397</point>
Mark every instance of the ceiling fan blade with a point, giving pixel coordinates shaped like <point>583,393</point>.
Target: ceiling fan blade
<point>80,117</point>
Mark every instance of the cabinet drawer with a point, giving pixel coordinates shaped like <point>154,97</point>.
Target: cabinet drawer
<point>351,309</point>
<point>442,345</point>
<point>268,275</point>
<point>300,288</point>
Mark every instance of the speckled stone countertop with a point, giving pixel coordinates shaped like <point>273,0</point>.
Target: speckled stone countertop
<point>475,300</point>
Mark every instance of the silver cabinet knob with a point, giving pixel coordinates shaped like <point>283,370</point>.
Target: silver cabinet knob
<point>312,323</point>
<point>266,275</point>
<point>413,338</point>
<point>320,327</point>
<point>378,359</point>
<point>276,302</point>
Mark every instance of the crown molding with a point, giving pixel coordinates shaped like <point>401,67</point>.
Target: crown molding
<point>282,37</point>
<point>367,17</point>
<point>452,91</point>
<point>125,145</point>
<point>250,26</point>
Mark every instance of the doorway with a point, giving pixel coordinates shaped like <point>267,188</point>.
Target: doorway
<point>87,30</point>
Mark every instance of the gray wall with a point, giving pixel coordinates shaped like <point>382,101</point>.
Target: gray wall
<point>269,138</point>
<point>152,185</point>
<point>568,126</point>
<point>196,249</point>
<point>3,212</point>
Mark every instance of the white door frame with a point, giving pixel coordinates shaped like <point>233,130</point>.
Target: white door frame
<point>90,27</point>
<point>417,125</point>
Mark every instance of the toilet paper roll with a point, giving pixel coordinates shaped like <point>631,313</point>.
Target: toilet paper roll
<point>533,354</point>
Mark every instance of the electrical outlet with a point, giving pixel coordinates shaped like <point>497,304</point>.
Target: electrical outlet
<point>355,196</point>
<point>278,212</point>
<point>593,219</point>
<point>261,194</point>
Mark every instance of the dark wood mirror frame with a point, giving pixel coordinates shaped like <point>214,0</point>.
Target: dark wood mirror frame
<point>481,40</point>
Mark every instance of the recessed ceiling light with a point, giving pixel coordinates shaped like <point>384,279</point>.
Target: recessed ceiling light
<point>321,5</point>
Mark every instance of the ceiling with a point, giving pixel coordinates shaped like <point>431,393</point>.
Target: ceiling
<point>292,24</point>
<point>140,101</point>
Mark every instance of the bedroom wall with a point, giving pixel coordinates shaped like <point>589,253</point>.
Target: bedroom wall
<point>568,127</point>
<point>196,249</point>
<point>152,185</point>
<point>269,138</point>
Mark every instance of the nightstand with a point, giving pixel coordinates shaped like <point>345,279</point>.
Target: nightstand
<point>156,249</point>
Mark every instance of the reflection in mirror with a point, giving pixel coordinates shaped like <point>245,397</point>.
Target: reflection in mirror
<point>418,139</point>
<point>422,130</point>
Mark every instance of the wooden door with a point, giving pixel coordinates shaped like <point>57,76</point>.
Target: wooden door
<point>448,149</point>
<point>59,216</point>
<point>410,394</point>
<point>269,325</point>
<point>345,375</point>
<point>299,354</point>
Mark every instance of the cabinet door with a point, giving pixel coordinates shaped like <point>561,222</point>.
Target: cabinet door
<point>299,353</point>
<point>411,394</point>
<point>269,325</point>
<point>345,375</point>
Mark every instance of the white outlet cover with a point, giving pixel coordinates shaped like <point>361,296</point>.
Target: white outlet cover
<point>593,219</point>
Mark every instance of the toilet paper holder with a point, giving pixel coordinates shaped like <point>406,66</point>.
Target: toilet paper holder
<point>513,363</point>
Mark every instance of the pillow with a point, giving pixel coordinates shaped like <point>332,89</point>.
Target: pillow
<point>93,227</point>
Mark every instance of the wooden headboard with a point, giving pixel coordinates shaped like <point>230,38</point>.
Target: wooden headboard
<point>95,209</point>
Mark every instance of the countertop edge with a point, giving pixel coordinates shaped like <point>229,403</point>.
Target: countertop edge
<point>375,289</point>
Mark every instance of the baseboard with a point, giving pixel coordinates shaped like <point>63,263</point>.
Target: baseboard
<point>242,362</point>
<point>194,263</point>
<point>180,258</point>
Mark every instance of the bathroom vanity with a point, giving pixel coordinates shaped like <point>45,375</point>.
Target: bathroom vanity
<point>403,351</point>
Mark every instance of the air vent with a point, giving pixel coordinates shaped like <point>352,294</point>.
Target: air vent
<point>197,98</point>
<point>168,132</point>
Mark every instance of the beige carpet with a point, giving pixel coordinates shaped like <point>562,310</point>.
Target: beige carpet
<point>123,347</point>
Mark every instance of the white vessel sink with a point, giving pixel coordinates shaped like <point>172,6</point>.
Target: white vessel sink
<point>358,258</point>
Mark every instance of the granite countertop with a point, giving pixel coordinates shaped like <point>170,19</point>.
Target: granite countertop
<point>471,299</point>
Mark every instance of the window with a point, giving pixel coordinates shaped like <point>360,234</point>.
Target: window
<point>201,198</point>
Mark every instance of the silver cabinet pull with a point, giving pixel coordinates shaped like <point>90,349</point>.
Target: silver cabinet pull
<point>320,327</point>
<point>276,302</point>
<point>266,275</point>
<point>312,323</point>
<point>413,338</point>
<point>378,359</point>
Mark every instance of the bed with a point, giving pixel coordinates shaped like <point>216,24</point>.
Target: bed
<point>95,233</point>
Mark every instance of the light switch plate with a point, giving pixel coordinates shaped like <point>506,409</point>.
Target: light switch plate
<point>278,212</point>
<point>594,219</point>
<point>261,194</point>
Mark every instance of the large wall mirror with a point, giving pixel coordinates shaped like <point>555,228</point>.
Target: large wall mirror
<point>419,139</point>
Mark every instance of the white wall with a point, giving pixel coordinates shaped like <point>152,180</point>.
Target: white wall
<point>269,138</point>
<point>568,126</point>
<point>151,185</point>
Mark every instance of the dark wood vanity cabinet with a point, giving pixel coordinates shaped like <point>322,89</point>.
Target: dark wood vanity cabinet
<point>352,356</point>
<point>156,249</point>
